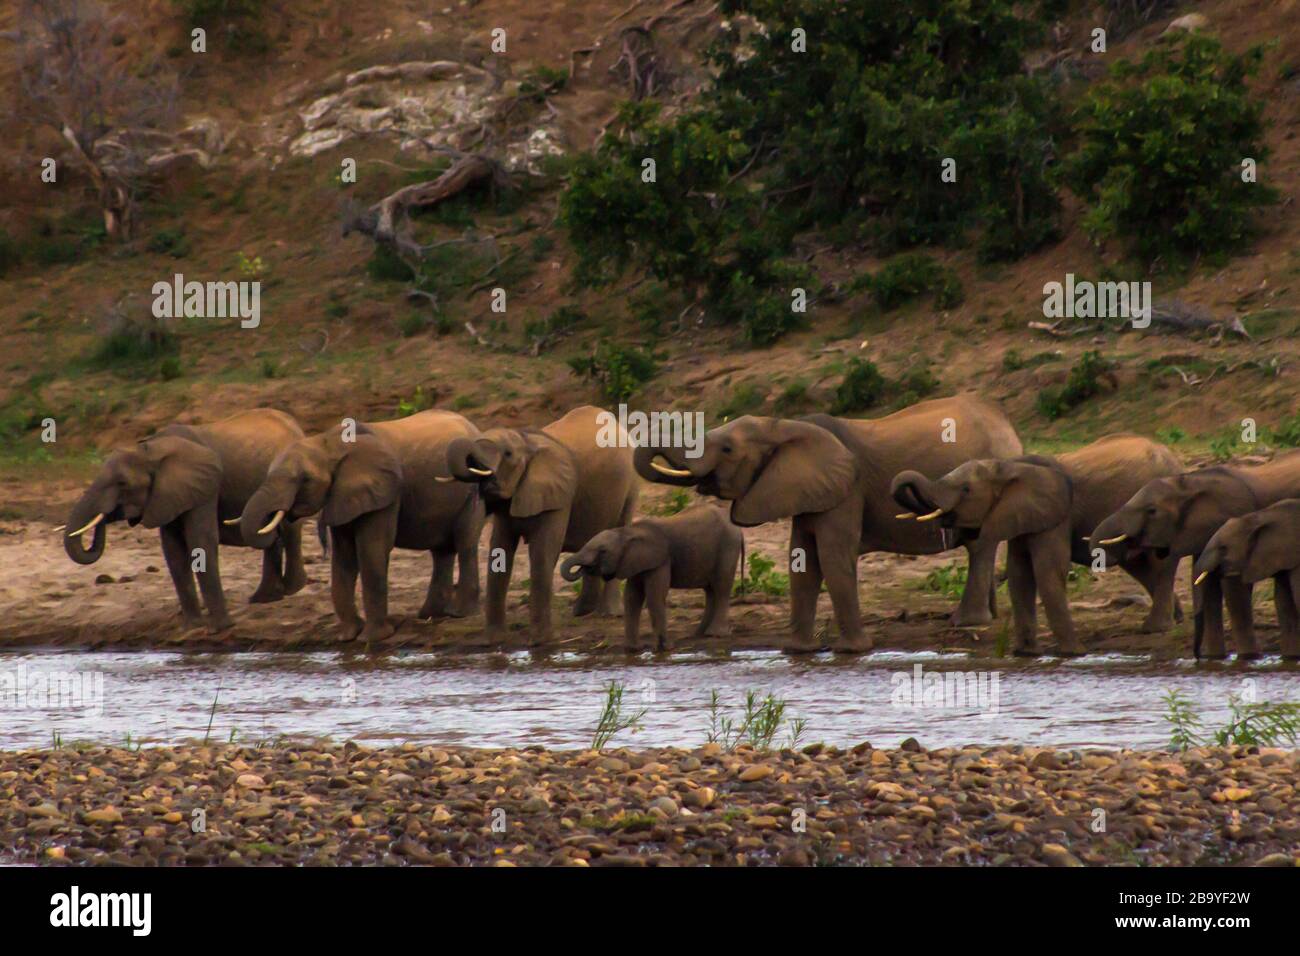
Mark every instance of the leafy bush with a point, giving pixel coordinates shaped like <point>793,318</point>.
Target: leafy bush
<point>1161,147</point>
<point>824,138</point>
<point>762,578</point>
<point>619,370</point>
<point>130,334</point>
<point>678,500</point>
<point>1083,383</point>
<point>909,276</point>
<point>1287,434</point>
<point>948,580</point>
<point>862,387</point>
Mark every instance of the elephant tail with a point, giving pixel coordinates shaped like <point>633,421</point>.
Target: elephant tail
<point>323,532</point>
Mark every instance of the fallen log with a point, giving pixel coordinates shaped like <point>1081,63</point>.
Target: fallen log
<point>1190,318</point>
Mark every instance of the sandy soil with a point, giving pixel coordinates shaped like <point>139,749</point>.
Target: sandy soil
<point>126,601</point>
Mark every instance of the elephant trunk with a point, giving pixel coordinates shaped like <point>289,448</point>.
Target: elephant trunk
<point>86,513</point>
<point>464,461</point>
<point>679,470</point>
<point>262,516</point>
<point>1206,564</point>
<point>921,496</point>
<point>572,568</point>
<point>1113,531</point>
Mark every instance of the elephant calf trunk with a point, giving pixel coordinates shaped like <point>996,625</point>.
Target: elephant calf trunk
<point>572,569</point>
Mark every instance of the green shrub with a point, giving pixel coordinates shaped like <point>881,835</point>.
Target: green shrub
<point>385,265</point>
<point>762,578</point>
<point>134,337</point>
<point>1287,434</point>
<point>825,138</point>
<point>1083,383</point>
<point>678,500</point>
<point>1161,147</point>
<point>912,275</point>
<point>619,370</point>
<point>861,387</point>
<point>235,22</point>
<point>10,253</point>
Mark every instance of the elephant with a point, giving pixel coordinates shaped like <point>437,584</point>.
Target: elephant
<point>832,475</point>
<point>1256,546</point>
<point>698,548</point>
<point>1045,508</point>
<point>556,488</point>
<point>188,481</point>
<point>1176,517</point>
<point>373,487</point>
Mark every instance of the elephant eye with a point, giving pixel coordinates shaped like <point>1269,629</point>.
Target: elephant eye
<point>1151,511</point>
<point>726,449</point>
<point>965,489</point>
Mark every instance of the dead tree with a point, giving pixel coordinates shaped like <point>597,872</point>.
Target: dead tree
<point>73,80</point>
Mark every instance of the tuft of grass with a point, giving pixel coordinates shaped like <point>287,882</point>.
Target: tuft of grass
<point>762,578</point>
<point>613,718</point>
<point>758,726</point>
<point>1262,724</point>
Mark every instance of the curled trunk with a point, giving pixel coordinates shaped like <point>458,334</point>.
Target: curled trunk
<point>571,569</point>
<point>260,511</point>
<point>919,495</point>
<point>83,513</point>
<point>643,459</point>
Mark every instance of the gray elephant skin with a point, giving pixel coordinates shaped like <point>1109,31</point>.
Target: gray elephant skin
<point>189,482</point>
<point>698,548</point>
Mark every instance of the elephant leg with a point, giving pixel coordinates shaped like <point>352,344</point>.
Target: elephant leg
<point>717,608</point>
<point>375,534</point>
<point>271,587</point>
<point>295,572</point>
<point>1024,598</point>
<point>438,598</point>
<point>1050,555</point>
<point>343,581</point>
<point>633,598</point>
<point>1287,618</point>
<point>1157,579</point>
<point>201,532</point>
<point>543,552</point>
<point>805,587</point>
<point>1209,619</point>
<point>466,537</point>
<point>976,605</point>
<point>838,556</point>
<point>501,562</point>
<point>607,603</point>
<point>589,592</point>
<point>1237,595</point>
<point>178,566</point>
<point>656,598</point>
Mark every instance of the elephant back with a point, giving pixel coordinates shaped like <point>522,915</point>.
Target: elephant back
<point>607,479</point>
<point>245,443</point>
<point>1110,471</point>
<point>420,442</point>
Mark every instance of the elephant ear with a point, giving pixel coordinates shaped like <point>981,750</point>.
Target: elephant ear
<point>643,550</point>
<point>367,478</point>
<point>548,482</point>
<point>807,471</point>
<point>1267,548</point>
<point>185,474</point>
<point>1032,498</point>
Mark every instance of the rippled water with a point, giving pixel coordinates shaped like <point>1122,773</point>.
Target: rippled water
<point>511,700</point>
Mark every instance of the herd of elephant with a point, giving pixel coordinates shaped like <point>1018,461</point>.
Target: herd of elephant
<point>429,481</point>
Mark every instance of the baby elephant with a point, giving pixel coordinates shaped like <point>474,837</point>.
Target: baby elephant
<point>698,548</point>
<point>1253,547</point>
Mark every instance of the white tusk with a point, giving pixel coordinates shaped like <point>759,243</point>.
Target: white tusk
<point>444,478</point>
<point>272,524</point>
<point>1113,540</point>
<point>482,472</point>
<point>231,521</point>
<point>671,472</point>
<point>96,520</point>
<point>931,516</point>
<point>62,527</point>
<point>1200,577</point>
<point>905,516</point>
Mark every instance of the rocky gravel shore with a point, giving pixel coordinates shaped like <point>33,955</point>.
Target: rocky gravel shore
<point>346,804</point>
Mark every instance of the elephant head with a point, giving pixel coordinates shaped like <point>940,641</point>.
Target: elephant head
<point>338,475</point>
<point>996,498</point>
<point>618,553</point>
<point>152,484</point>
<point>1252,547</point>
<point>1176,515</point>
<point>524,469</point>
<point>768,468</point>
